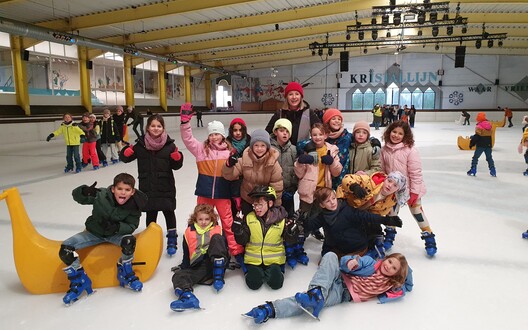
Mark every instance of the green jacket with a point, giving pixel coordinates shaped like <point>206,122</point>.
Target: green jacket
<point>105,208</point>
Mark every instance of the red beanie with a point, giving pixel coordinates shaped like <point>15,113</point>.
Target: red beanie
<point>294,86</point>
<point>238,121</point>
<point>331,113</point>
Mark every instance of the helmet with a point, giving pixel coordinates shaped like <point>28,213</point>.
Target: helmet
<point>263,191</point>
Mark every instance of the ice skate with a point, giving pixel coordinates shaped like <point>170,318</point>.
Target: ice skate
<point>261,313</point>
<point>390,236</point>
<point>68,169</point>
<point>126,276</point>
<point>472,171</point>
<point>79,282</point>
<point>493,172</point>
<point>172,242</point>
<point>312,299</point>
<point>300,256</point>
<point>218,273</point>
<point>378,250</point>
<point>186,301</point>
<point>525,235</point>
<point>430,243</point>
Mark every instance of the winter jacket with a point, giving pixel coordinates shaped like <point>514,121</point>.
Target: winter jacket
<point>367,267</point>
<point>155,174</point>
<point>195,245</point>
<point>210,182</point>
<point>105,208</point>
<point>89,131</point>
<point>482,137</point>
<point>308,174</point>
<point>343,143</point>
<point>296,118</point>
<point>72,133</point>
<point>346,229</point>
<point>372,185</point>
<point>399,157</point>
<point>109,131</point>
<point>287,156</point>
<point>135,115</point>
<point>256,171</point>
<point>361,159</point>
<point>120,122</point>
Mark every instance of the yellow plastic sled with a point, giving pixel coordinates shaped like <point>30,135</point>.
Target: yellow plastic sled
<point>499,123</point>
<point>463,142</point>
<point>37,258</point>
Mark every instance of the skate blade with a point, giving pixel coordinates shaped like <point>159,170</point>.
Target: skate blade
<point>308,312</point>
<point>81,298</point>
<point>179,310</point>
<point>247,316</point>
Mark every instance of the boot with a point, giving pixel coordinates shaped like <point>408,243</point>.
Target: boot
<point>378,250</point>
<point>115,161</point>
<point>78,169</point>
<point>262,313</point>
<point>525,235</point>
<point>313,299</point>
<point>472,171</point>
<point>186,301</point>
<point>126,276</point>
<point>95,168</point>
<point>172,242</point>
<point>218,273</point>
<point>290,258</point>
<point>430,243</point>
<point>300,255</point>
<point>105,163</point>
<point>68,169</point>
<point>525,173</point>
<point>390,236</point>
<point>493,172</point>
<point>79,282</point>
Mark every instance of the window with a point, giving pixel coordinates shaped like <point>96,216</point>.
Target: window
<point>405,97</point>
<point>368,100</point>
<point>417,98</point>
<point>357,100</point>
<point>380,97</point>
<point>393,94</point>
<point>429,99</point>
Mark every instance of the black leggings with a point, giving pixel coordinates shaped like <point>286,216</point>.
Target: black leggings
<point>170,218</point>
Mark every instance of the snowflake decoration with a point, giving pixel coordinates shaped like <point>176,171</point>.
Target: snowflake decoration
<point>327,99</point>
<point>456,98</point>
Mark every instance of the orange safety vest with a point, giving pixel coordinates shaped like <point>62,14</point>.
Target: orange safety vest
<point>198,244</point>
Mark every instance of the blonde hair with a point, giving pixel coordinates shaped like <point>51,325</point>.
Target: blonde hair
<point>207,144</point>
<point>398,279</point>
<point>206,209</point>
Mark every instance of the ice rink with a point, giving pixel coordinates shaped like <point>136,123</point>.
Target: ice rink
<point>477,280</point>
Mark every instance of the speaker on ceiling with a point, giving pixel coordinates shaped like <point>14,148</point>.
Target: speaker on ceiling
<point>25,55</point>
<point>460,56</point>
<point>343,61</point>
<point>166,75</point>
<point>440,83</point>
<point>496,82</point>
<point>89,65</point>
<point>191,79</point>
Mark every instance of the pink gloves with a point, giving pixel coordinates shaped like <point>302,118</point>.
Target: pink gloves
<point>412,200</point>
<point>186,112</point>
<point>129,151</point>
<point>176,155</point>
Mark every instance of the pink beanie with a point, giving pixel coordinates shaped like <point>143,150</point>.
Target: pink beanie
<point>294,86</point>
<point>362,125</point>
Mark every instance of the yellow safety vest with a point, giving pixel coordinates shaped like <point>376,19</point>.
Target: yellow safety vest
<point>264,250</point>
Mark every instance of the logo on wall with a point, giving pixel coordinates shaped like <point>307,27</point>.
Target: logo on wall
<point>327,99</point>
<point>479,89</point>
<point>520,88</point>
<point>456,98</point>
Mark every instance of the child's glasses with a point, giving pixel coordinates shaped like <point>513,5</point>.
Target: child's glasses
<point>258,205</point>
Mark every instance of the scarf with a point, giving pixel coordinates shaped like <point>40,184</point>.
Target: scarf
<point>155,144</point>
<point>201,232</point>
<point>239,145</point>
<point>335,135</point>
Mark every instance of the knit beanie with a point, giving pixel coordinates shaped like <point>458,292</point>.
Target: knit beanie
<point>260,135</point>
<point>481,116</point>
<point>239,121</point>
<point>284,123</point>
<point>402,194</point>
<point>361,125</point>
<point>331,113</point>
<point>293,86</point>
<point>216,127</point>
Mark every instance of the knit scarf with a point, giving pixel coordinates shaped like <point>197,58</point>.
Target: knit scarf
<point>155,143</point>
<point>201,231</point>
<point>239,145</point>
<point>335,135</point>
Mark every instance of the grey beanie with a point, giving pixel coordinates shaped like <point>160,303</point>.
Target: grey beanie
<point>260,135</point>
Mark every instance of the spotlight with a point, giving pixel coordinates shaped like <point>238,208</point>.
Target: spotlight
<point>435,31</point>
<point>347,36</point>
<point>490,43</point>
<point>446,17</point>
<point>464,29</point>
<point>397,18</point>
<point>385,20</point>
<point>500,43</point>
<point>478,44</point>
<point>276,27</point>
<point>449,30</point>
<point>330,51</point>
<point>361,35</point>
<point>313,52</point>
<point>365,51</point>
<point>437,47</point>
<point>374,34</point>
<point>433,17</point>
<point>388,34</point>
<point>320,52</point>
<point>373,21</point>
<point>421,17</point>
<point>420,33</point>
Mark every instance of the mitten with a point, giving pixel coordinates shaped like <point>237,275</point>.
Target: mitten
<point>291,226</point>
<point>176,155</point>
<point>50,137</point>
<point>186,113</point>
<point>238,203</point>
<point>236,227</point>
<point>231,161</point>
<point>128,152</point>
<point>305,159</point>
<point>82,138</point>
<point>311,150</point>
<point>358,191</point>
<point>91,190</point>
<point>327,159</point>
<point>412,199</point>
<point>110,227</point>
<point>393,221</point>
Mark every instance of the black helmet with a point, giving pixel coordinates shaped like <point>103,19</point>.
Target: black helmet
<point>263,191</point>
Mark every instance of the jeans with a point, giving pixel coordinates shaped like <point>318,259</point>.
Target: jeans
<point>328,277</point>
<point>478,152</point>
<point>85,239</point>
<point>72,153</point>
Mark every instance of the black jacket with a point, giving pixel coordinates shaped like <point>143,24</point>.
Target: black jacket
<point>295,118</point>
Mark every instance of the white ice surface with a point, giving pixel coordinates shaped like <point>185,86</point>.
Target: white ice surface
<point>478,279</point>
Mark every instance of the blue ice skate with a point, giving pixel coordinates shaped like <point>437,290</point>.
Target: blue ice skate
<point>186,301</point>
<point>312,299</point>
<point>79,282</point>
<point>126,276</point>
<point>430,243</point>
<point>261,313</point>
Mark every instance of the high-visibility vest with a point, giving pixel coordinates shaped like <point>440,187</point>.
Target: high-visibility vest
<point>264,250</point>
<point>198,244</point>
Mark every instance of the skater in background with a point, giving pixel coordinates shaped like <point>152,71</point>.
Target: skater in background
<point>89,148</point>
<point>97,129</point>
<point>109,137</point>
<point>399,154</point>
<point>73,136</point>
<point>204,258</point>
<point>119,119</point>
<point>157,157</point>
<point>509,114</point>
<point>115,216</point>
<point>482,141</point>
<point>350,279</point>
<point>377,113</point>
<point>199,122</point>
<point>466,116</point>
<point>137,120</point>
<point>412,116</point>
